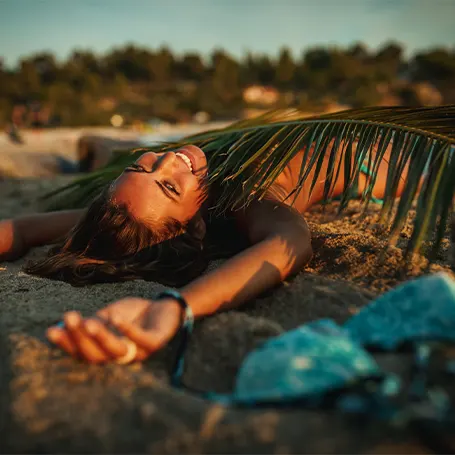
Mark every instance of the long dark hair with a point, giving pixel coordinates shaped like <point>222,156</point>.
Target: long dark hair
<point>109,245</point>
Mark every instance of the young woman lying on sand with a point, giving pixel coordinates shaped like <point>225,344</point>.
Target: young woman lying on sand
<point>153,223</point>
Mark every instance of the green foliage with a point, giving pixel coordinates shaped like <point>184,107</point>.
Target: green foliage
<point>389,61</point>
<point>361,91</point>
<point>285,69</point>
<point>191,67</point>
<point>417,137</point>
<point>437,65</point>
<point>141,78</point>
<point>225,78</point>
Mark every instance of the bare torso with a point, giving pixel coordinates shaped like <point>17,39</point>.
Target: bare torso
<point>287,182</point>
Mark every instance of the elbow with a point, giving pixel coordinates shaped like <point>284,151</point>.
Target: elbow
<point>299,237</point>
<point>302,256</point>
<point>298,248</point>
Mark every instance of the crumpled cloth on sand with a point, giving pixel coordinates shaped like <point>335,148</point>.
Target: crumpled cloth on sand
<point>324,364</point>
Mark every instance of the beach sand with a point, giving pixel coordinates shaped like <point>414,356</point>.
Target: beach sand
<point>50,403</point>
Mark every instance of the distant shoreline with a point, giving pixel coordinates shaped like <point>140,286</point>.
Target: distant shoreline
<point>41,149</point>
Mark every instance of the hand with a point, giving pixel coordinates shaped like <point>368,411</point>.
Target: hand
<point>150,325</point>
<point>12,245</point>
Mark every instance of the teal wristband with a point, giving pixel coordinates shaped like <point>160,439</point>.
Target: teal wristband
<point>188,316</point>
<point>186,330</point>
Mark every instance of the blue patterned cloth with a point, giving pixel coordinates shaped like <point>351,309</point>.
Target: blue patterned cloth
<point>322,356</point>
<point>422,309</point>
<point>306,364</point>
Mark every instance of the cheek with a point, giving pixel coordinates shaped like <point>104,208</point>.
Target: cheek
<point>198,201</point>
<point>133,194</point>
<point>131,187</point>
<point>192,202</point>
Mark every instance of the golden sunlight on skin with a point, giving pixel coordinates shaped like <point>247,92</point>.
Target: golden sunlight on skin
<point>163,185</point>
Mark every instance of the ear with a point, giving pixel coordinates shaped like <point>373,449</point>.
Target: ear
<point>197,226</point>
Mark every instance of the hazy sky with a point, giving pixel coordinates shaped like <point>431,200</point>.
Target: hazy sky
<point>60,26</point>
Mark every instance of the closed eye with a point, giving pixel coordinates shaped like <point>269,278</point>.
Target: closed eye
<point>167,192</point>
<point>170,187</point>
<point>165,186</point>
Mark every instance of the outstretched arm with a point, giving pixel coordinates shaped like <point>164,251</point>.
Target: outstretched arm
<point>20,234</point>
<point>280,245</point>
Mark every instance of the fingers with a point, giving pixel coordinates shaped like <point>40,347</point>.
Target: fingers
<point>96,341</point>
<point>90,340</point>
<point>60,338</point>
<point>146,340</point>
<point>110,343</point>
<point>86,346</point>
<point>114,346</point>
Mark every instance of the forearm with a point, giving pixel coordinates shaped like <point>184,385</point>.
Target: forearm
<point>248,274</point>
<point>11,244</point>
<point>45,228</point>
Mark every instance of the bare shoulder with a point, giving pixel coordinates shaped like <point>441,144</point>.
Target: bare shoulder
<point>269,216</point>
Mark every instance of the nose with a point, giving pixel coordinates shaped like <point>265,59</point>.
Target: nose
<point>165,162</point>
<point>155,162</point>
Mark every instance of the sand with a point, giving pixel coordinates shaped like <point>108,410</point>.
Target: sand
<point>50,403</point>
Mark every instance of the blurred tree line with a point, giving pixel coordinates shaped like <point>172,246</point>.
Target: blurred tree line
<point>140,83</point>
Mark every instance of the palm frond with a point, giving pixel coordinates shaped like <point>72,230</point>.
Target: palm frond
<point>246,157</point>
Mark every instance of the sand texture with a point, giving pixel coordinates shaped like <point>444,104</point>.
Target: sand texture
<point>50,403</point>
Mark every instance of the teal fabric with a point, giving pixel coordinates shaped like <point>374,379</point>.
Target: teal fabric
<point>321,356</point>
<point>420,310</point>
<point>364,169</point>
<point>354,192</point>
<point>310,360</point>
<point>305,366</point>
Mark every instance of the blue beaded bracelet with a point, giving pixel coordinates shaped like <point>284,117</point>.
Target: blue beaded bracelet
<point>186,330</point>
<point>188,316</point>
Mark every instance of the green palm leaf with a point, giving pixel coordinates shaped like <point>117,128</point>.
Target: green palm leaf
<point>420,137</point>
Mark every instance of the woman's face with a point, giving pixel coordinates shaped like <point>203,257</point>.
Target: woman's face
<point>163,185</point>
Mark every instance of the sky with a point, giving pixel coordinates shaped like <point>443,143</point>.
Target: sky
<point>238,26</point>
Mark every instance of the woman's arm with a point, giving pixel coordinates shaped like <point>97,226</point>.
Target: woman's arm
<point>280,245</point>
<point>20,234</point>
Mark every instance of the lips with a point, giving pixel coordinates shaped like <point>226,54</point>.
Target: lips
<point>197,162</point>
<point>186,159</point>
